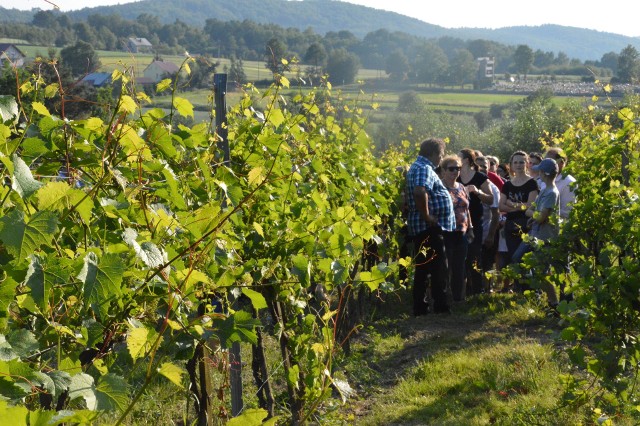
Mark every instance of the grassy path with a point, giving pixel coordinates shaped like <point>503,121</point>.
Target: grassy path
<point>495,360</point>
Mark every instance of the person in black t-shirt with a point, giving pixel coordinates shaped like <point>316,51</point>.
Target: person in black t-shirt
<point>516,196</point>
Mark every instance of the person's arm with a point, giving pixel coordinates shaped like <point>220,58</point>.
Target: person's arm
<point>509,206</point>
<point>422,204</point>
<point>541,217</point>
<point>485,195</point>
<point>493,226</point>
<point>532,197</point>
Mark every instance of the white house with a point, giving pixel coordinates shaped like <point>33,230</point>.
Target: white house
<point>9,52</point>
<point>158,70</point>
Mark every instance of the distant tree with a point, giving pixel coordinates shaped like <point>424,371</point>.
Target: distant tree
<point>44,19</point>
<point>236,71</point>
<point>610,60</point>
<point>410,102</point>
<point>463,67</point>
<point>479,48</point>
<point>275,51</point>
<point>202,71</point>
<point>80,59</point>
<point>523,59</point>
<point>397,65</point>
<point>629,65</point>
<point>316,55</point>
<point>543,59</point>
<point>342,66</point>
<point>431,63</point>
<point>562,59</point>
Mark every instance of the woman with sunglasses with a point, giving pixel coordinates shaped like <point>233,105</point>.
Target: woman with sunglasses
<point>516,196</point>
<point>456,241</point>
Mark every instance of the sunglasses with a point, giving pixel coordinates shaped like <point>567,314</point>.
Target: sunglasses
<point>518,162</point>
<point>453,168</point>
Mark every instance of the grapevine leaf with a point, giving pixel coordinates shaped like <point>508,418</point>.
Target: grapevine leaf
<point>36,282</point>
<point>59,196</point>
<point>22,180</point>
<point>23,342</point>
<point>112,393</point>
<point>101,281</point>
<point>12,415</point>
<point>40,418</point>
<point>8,108</point>
<point>7,295</point>
<point>22,238</point>
<point>80,417</point>
<point>257,299</point>
<point>40,108</point>
<point>138,342</point>
<point>172,372</point>
<point>82,386</point>
<point>276,117</point>
<point>127,104</point>
<point>163,85</point>
<point>183,106</point>
<point>249,417</point>
<point>61,381</point>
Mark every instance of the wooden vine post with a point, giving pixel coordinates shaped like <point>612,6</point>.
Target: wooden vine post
<point>235,361</point>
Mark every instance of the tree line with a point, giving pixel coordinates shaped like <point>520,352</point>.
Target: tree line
<point>442,61</point>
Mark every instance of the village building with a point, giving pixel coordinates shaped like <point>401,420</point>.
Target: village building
<point>10,53</point>
<point>159,70</point>
<point>139,45</point>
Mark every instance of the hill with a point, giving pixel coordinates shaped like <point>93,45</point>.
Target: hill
<point>323,16</point>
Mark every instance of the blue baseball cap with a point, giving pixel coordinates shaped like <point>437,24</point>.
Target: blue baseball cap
<point>548,166</point>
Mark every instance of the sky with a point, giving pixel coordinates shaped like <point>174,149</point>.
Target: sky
<point>458,13</point>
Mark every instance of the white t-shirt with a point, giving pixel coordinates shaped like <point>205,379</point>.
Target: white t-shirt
<point>486,209</point>
<point>567,196</point>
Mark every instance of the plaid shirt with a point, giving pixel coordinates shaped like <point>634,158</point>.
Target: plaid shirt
<point>421,173</point>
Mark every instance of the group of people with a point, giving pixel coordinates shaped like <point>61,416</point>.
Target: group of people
<point>467,213</point>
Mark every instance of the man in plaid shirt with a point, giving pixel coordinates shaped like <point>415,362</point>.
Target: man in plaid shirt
<point>430,213</point>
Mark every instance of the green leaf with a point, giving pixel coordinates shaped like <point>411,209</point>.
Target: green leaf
<point>257,299</point>
<point>127,104</point>
<point>61,381</point>
<point>22,180</point>
<point>8,108</point>
<point>36,282</point>
<point>21,238</point>
<point>249,417</point>
<point>79,417</point>
<point>138,342</point>
<point>59,196</point>
<point>112,393</point>
<point>23,342</point>
<point>82,386</point>
<point>13,415</point>
<point>172,372</point>
<point>7,296</point>
<point>183,106</point>
<point>40,109</point>
<point>163,85</point>
<point>102,281</point>
<point>40,418</point>
<point>276,117</point>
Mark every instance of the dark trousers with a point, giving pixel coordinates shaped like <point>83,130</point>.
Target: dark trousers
<point>474,262</point>
<point>431,270</point>
<point>489,259</point>
<point>456,247</point>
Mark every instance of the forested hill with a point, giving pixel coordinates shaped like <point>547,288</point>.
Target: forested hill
<point>328,15</point>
